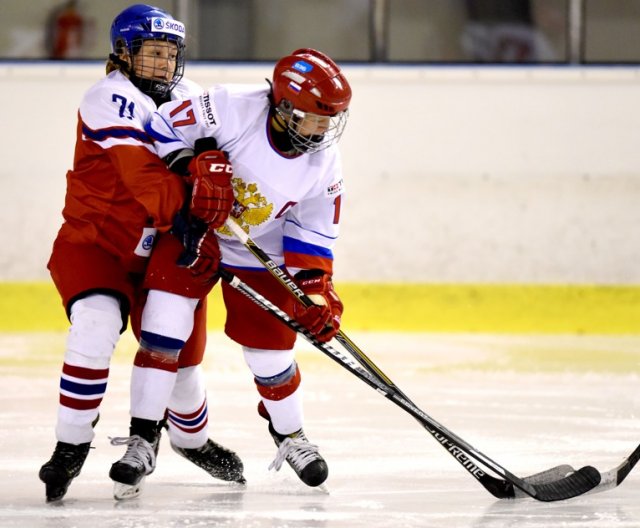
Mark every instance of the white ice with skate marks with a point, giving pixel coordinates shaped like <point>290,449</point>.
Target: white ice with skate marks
<point>384,468</point>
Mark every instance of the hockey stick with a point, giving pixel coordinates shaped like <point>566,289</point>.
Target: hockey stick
<point>605,481</point>
<point>615,476</point>
<point>608,480</point>
<point>565,487</point>
<point>551,485</point>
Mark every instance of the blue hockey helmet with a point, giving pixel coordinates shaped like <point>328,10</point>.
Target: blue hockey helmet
<point>141,22</point>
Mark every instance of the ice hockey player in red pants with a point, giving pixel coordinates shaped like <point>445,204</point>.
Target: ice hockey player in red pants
<point>120,196</point>
<point>287,179</point>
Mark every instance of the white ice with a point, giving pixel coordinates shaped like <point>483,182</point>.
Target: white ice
<point>385,469</point>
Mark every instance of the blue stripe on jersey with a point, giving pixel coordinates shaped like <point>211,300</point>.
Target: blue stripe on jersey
<point>115,132</point>
<point>157,136</point>
<point>82,388</point>
<point>297,246</point>
<point>288,220</point>
<point>160,343</point>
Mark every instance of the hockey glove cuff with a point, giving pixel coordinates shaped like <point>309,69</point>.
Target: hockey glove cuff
<point>201,251</point>
<point>322,318</point>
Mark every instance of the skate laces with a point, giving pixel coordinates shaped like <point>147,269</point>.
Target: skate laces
<point>297,450</point>
<point>139,452</point>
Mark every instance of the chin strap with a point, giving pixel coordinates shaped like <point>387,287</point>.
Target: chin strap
<point>279,133</point>
<point>140,83</point>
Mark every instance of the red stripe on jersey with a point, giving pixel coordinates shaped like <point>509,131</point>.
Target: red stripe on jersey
<point>280,392</point>
<point>300,260</point>
<point>85,373</point>
<point>79,405</point>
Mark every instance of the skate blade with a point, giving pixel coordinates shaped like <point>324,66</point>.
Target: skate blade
<point>127,491</point>
<point>323,488</point>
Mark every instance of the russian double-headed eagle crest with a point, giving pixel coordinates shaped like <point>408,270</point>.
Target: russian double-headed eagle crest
<point>250,207</point>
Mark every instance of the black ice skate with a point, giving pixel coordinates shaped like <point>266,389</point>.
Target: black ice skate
<point>219,462</point>
<point>129,472</point>
<point>300,454</point>
<point>63,466</point>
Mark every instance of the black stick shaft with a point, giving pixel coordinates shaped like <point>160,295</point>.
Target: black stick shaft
<point>451,442</point>
<point>497,487</point>
<point>578,483</point>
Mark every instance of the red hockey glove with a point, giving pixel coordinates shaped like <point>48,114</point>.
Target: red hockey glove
<point>322,319</point>
<point>212,194</point>
<point>201,251</point>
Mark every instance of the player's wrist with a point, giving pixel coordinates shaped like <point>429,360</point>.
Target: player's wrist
<point>178,161</point>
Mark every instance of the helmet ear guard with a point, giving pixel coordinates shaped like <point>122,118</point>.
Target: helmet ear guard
<point>116,57</point>
<point>119,46</point>
<point>286,106</point>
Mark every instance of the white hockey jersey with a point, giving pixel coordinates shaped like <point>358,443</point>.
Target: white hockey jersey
<point>290,206</point>
<point>119,192</point>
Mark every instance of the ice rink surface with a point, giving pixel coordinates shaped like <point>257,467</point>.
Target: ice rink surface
<point>528,402</point>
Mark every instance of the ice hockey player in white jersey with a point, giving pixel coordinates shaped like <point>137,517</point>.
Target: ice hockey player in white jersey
<point>120,196</point>
<point>281,139</point>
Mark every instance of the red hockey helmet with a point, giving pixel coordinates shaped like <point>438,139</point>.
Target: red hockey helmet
<point>312,95</point>
<point>312,82</point>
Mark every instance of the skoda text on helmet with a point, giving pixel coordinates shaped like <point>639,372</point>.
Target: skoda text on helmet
<point>312,96</point>
<point>140,23</point>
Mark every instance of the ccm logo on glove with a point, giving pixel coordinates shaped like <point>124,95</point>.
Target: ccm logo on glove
<point>322,318</point>
<point>212,194</point>
<point>221,167</point>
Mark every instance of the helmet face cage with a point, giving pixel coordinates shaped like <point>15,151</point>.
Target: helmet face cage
<point>311,132</point>
<point>149,63</point>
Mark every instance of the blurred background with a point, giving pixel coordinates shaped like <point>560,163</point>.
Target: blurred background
<point>491,156</point>
<point>421,31</point>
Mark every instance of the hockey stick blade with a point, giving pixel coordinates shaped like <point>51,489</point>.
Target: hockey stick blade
<point>502,489</point>
<point>562,488</point>
<point>549,475</point>
<point>614,477</point>
<point>577,483</point>
<point>559,483</point>
<point>608,480</point>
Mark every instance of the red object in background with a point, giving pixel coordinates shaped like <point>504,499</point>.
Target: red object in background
<point>66,32</point>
